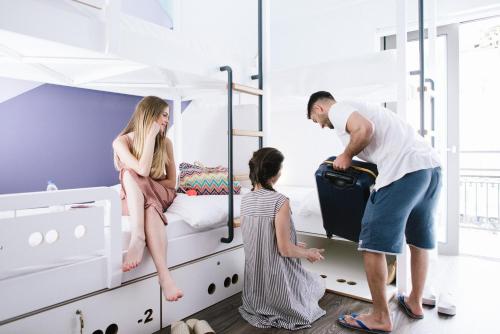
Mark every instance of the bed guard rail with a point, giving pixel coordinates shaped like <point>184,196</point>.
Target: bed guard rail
<point>13,243</point>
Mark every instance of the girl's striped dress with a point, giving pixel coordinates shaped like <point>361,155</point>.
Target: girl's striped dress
<point>277,291</point>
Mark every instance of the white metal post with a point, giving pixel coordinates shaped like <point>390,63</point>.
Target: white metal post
<point>266,71</point>
<point>403,271</point>
<point>176,133</point>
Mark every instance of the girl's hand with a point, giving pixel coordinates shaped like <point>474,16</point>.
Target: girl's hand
<point>314,254</point>
<point>301,244</point>
<point>154,129</point>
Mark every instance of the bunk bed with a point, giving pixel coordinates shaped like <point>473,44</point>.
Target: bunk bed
<point>61,252</point>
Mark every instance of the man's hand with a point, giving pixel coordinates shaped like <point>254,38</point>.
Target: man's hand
<point>342,162</point>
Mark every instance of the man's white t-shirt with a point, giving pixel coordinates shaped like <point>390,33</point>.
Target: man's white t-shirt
<point>395,148</point>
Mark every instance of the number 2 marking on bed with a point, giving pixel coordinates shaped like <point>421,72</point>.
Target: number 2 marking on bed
<point>148,314</point>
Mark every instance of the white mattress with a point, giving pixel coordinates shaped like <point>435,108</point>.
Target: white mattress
<point>306,212</point>
<point>304,201</point>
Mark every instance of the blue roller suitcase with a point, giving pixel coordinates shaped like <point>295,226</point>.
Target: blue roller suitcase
<point>343,196</point>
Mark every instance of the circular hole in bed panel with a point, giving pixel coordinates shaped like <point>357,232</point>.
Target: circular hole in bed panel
<point>323,276</point>
<point>80,231</point>
<point>35,239</point>
<point>234,279</point>
<point>112,329</point>
<point>211,288</point>
<point>341,280</point>
<point>51,236</point>
<point>352,283</point>
<point>97,332</point>
<point>227,282</point>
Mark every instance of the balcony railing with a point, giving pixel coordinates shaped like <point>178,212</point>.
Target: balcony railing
<point>480,190</point>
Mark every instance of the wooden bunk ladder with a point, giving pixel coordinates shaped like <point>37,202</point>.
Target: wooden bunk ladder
<point>231,223</point>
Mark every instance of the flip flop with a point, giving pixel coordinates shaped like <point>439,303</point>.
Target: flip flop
<point>361,326</point>
<point>406,308</point>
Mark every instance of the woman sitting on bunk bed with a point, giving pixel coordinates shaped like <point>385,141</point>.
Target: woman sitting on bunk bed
<point>144,157</point>
<point>277,290</point>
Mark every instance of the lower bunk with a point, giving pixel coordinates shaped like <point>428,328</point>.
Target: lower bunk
<point>137,306</point>
<point>343,267</point>
<point>60,266</point>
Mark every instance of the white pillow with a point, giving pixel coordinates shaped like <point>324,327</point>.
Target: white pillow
<point>304,201</point>
<point>311,205</point>
<point>201,211</point>
<point>198,211</point>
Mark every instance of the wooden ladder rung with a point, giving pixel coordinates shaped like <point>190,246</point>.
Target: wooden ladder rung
<point>248,133</point>
<point>242,177</point>
<point>247,89</point>
<point>236,223</point>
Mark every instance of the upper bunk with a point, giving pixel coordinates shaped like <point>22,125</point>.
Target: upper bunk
<point>102,45</point>
<point>370,76</point>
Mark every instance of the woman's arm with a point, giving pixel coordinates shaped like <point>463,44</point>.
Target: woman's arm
<point>143,165</point>
<point>171,179</point>
<point>285,247</point>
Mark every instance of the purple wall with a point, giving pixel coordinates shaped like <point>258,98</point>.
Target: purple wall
<point>62,134</point>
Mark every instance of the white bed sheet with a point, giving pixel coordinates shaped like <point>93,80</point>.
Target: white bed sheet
<point>304,201</point>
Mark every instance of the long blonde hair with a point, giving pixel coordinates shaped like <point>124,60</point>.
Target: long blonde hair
<point>147,111</point>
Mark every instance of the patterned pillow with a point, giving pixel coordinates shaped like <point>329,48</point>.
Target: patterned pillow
<point>205,180</point>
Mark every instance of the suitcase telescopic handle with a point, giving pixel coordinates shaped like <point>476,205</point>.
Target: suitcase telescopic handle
<point>340,180</point>
<point>361,169</point>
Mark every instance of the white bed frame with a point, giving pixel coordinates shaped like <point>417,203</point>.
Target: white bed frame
<point>343,267</point>
<point>93,44</point>
<point>56,294</point>
<point>92,294</point>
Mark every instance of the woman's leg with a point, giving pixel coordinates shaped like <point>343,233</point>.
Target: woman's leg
<point>135,202</point>
<point>157,245</point>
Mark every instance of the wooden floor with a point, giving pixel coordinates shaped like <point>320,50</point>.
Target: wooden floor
<point>474,282</point>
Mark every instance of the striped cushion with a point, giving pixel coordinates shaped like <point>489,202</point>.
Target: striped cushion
<point>205,180</point>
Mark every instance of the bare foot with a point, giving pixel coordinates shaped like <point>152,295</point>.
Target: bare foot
<point>134,253</point>
<point>414,305</point>
<point>170,290</point>
<point>370,321</point>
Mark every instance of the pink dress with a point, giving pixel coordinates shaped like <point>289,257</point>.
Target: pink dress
<point>155,195</point>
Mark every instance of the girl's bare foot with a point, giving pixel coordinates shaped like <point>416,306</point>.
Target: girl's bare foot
<point>170,290</point>
<point>134,253</point>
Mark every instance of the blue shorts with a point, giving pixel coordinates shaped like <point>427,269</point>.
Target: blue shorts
<point>406,207</point>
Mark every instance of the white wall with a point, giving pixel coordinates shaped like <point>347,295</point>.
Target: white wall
<point>307,32</point>
<point>229,25</point>
<point>302,32</point>
<point>310,32</point>
<point>204,133</point>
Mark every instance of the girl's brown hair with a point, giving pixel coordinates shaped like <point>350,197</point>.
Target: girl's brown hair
<point>147,111</point>
<point>264,165</point>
